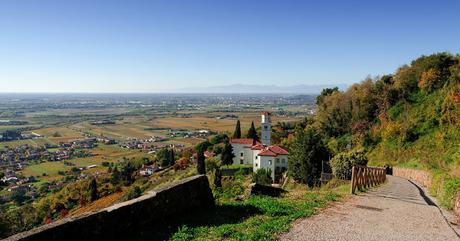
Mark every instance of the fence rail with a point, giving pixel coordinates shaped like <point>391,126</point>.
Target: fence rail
<point>365,177</point>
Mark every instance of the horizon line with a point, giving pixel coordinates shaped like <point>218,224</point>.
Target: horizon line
<point>1,93</point>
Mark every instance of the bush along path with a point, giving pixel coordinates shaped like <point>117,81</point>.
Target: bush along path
<point>397,210</point>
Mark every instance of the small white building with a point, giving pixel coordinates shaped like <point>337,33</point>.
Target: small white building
<point>147,170</point>
<point>261,154</point>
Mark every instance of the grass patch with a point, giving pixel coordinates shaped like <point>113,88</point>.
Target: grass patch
<point>236,166</point>
<point>257,217</point>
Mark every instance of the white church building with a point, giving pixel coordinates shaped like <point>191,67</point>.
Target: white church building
<point>261,154</point>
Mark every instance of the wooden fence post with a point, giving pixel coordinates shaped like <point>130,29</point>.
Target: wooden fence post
<point>353,180</point>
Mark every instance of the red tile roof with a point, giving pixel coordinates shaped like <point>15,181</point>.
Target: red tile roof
<point>267,152</point>
<point>245,141</point>
<point>273,151</point>
<point>278,150</point>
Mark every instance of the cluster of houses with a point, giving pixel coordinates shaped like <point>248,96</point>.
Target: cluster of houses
<point>21,154</point>
<point>142,144</point>
<point>13,160</point>
<point>150,146</point>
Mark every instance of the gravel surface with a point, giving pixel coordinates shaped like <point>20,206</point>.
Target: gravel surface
<point>397,210</point>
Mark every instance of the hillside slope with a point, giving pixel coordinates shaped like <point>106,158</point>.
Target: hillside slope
<point>410,118</point>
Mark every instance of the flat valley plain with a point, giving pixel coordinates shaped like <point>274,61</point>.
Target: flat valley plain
<point>170,119</point>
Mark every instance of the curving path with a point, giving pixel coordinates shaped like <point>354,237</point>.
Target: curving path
<point>397,210</point>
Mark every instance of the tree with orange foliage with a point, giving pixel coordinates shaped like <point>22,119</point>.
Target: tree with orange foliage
<point>429,80</point>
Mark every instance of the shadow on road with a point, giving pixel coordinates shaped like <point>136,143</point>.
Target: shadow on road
<point>423,195</point>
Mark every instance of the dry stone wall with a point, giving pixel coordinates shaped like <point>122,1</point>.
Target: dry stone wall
<point>125,220</point>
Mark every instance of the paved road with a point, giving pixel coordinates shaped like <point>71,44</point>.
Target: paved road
<point>398,210</point>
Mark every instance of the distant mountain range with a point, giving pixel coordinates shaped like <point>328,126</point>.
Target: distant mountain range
<point>258,89</point>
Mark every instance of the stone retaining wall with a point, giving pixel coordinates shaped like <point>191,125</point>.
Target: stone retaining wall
<point>125,220</point>
<point>425,179</point>
<point>421,177</point>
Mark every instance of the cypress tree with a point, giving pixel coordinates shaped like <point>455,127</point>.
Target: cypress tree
<point>218,177</point>
<point>237,132</point>
<point>172,158</point>
<point>200,163</point>
<point>116,176</point>
<point>93,195</point>
<point>252,132</point>
<point>227,153</point>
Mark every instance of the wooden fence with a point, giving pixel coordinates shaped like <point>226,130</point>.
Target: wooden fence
<point>365,177</point>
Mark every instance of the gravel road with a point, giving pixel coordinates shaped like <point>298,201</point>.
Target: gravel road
<point>398,210</point>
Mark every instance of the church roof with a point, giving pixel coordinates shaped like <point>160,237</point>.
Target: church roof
<point>244,141</point>
<point>273,151</point>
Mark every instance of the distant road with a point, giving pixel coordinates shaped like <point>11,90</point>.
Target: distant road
<point>398,210</point>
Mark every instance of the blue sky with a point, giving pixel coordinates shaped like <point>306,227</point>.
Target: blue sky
<point>151,46</point>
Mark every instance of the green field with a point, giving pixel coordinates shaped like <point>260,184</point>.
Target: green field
<point>32,142</point>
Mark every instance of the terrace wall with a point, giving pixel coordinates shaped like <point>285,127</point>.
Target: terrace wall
<point>125,220</point>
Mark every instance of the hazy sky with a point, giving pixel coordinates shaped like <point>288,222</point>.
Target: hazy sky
<point>148,46</point>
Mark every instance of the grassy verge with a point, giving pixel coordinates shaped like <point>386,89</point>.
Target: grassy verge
<point>256,217</point>
<point>445,188</point>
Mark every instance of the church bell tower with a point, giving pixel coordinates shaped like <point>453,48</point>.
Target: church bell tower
<point>266,129</point>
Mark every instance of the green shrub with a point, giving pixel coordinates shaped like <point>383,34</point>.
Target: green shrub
<point>211,164</point>
<point>183,233</point>
<point>233,187</point>
<point>132,193</point>
<point>343,162</point>
<point>262,176</point>
<point>396,110</point>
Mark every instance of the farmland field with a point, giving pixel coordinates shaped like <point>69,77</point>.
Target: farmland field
<point>212,123</point>
<point>120,130</point>
<point>103,153</point>
<point>59,134</point>
<point>124,129</point>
